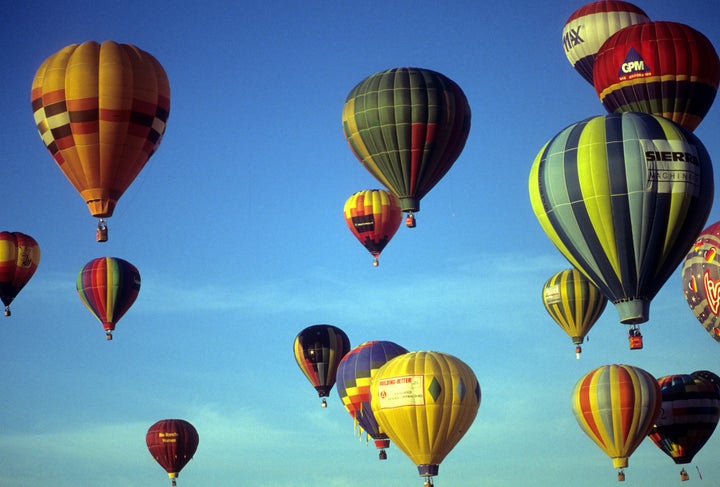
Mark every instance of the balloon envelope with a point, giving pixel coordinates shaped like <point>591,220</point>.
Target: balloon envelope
<point>590,26</point>
<point>19,258</point>
<point>616,406</point>
<point>318,350</point>
<point>108,286</point>
<point>101,111</point>
<point>688,416</point>
<point>573,302</point>
<point>664,68</point>
<point>622,197</point>
<point>373,216</point>
<point>701,279</point>
<point>172,443</point>
<point>354,376</point>
<point>425,402</point>
<point>407,126</point>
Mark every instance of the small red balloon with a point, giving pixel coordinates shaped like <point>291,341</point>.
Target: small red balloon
<point>172,443</point>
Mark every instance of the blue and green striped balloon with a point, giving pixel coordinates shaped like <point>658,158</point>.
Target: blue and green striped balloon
<point>623,196</point>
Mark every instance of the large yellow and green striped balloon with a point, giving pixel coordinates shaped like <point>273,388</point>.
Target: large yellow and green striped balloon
<point>616,406</point>
<point>623,196</point>
<point>574,303</point>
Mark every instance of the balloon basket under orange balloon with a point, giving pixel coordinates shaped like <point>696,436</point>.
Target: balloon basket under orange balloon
<point>101,234</point>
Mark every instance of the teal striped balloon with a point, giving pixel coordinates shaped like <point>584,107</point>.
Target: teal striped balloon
<point>623,196</point>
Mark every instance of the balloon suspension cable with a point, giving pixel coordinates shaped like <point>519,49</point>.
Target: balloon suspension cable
<point>101,235</point>
<point>621,476</point>
<point>323,403</point>
<point>578,351</point>
<point>635,338</point>
<point>410,220</point>
<point>7,311</point>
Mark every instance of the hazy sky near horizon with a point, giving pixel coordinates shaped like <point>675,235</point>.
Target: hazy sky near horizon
<point>236,227</point>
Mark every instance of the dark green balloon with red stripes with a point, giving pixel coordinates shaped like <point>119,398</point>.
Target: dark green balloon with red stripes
<point>407,126</point>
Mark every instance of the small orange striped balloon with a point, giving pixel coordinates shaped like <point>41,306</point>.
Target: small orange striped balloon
<point>19,258</point>
<point>616,406</point>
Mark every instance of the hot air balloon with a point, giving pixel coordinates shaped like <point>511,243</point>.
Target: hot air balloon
<point>616,406</point>
<point>590,26</point>
<point>318,350</point>
<point>373,216</point>
<point>172,443</point>
<point>701,279</point>
<point>664,68</point>
<point>425,402</point>
<point>19,258</point>
<point>709,376</point>
<point>101,111</point>
<point>108,286</point>
<point>574,303</point>
<point>688,416</point>
<point>622,197</point>
<point>354,375</point>
<point>407,126</point>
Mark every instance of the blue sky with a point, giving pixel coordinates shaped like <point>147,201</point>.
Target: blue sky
<point>237,229</point>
